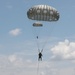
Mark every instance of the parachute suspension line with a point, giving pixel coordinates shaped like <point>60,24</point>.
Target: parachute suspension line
<point>37,27</point>
<point>52,28</point>
<point>37,42</point>
<point>41,51</point>
<point>36,35</point>
<point>45,43</point>
<point>38,69</point>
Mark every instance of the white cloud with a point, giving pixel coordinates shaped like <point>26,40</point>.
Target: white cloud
<point>9,6</point>
<point>15,60</point>
<point>12,58</point>
<point>64,50</point>
<point>16,65</point>
<point>15,32</point>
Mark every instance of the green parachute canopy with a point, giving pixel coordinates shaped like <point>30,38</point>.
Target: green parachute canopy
<point>43,13</point>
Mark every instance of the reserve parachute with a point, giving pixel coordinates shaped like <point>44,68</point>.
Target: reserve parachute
<point>37,24</point>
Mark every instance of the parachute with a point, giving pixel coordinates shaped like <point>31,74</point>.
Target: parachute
<point>43,13</point>
<point>37,24</point>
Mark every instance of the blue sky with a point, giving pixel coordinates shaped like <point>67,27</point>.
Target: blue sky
<point>18,48</point>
